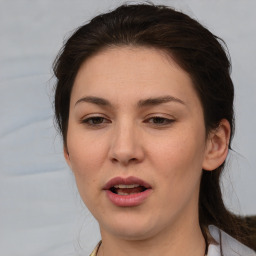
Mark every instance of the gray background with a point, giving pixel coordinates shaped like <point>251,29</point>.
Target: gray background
<point>40,210</point>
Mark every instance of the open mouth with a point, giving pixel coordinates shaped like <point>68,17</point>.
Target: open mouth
<point>126,186</point>
<point>124,190</point>
<point>127,191</point>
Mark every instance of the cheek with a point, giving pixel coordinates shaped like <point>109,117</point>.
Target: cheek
<point>86,152</point>
<point>178,164</point>
<point>87,155</point>
<point>179,157</point>
<point>85,165</point>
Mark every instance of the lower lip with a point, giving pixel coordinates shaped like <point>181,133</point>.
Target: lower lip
<point>128,200</point>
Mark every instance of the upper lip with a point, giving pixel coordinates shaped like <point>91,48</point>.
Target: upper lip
<point>125,181</point>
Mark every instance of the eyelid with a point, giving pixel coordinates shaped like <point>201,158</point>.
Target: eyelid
<point>90,117</point>
<point>93,115</point>
<point>167,120</point>
<point>160,115</point>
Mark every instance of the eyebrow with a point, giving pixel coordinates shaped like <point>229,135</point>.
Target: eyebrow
<point>141,103</point>
<point>94,100</point>
<point>159,100</point>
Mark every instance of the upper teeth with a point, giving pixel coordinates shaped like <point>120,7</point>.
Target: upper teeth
<point>127,186</point>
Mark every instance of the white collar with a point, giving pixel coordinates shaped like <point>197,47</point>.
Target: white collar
<point>230,246</point>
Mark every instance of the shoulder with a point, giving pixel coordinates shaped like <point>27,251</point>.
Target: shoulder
<point>230,246</point>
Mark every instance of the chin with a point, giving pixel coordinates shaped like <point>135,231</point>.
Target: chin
<point>133,234</point>
<point>132,227</point>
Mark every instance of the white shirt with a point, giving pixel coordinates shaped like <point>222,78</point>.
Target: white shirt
<point>230,246</point>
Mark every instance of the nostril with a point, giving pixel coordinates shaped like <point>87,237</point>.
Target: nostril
<point>132,160</point>
<point>114,160</point>
<point>125,161</point>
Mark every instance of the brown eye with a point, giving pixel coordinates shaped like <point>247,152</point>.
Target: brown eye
<point>95,121</point>
<point>157,120</point>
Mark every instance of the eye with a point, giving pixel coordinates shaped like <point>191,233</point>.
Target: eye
<point>159,121</point>
<point>95,121</point>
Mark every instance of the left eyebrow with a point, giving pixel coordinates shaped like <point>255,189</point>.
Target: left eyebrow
<point>159,100</point>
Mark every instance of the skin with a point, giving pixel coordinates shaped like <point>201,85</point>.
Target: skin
<point>165,144</point>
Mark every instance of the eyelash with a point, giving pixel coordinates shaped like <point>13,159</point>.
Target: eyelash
<point>163,120</point>
<point>90,121</point>
<point>94,121</point>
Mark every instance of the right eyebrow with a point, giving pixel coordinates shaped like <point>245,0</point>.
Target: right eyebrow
<point>159,100</point>
<point>94,100</point>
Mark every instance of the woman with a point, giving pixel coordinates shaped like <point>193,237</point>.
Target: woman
<point>144,102</point>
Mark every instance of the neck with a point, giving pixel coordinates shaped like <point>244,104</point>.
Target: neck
<point>187,241</point>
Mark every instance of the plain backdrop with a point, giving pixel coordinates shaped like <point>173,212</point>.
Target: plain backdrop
<point>40,210</point>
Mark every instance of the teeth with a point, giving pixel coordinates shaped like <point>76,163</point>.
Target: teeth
<point>127,186</point>
<point>125,194</point>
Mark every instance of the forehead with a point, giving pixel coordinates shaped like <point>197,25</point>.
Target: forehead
<point>125,72</point>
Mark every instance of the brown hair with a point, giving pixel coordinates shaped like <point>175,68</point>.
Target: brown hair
<point>200,53</point>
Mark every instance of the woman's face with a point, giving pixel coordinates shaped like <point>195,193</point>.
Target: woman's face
<point>136,141</point>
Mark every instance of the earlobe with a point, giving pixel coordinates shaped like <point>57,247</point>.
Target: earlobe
<point>217,146</point>
<point>66,155</point>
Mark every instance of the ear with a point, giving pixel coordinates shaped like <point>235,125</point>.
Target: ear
<point>66,155</point>
<point>217,146</point>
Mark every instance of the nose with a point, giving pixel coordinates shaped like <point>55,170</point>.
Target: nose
<point>126,146</point>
